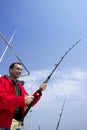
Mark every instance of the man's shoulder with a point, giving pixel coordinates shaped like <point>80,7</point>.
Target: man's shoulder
<point>3,77</point>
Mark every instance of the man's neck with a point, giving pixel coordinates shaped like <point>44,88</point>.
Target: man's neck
<point>14,79</point>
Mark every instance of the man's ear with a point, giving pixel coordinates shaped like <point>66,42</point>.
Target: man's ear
<point>10,70</point>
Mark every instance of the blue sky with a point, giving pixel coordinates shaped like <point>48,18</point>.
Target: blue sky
<point>45,31</point>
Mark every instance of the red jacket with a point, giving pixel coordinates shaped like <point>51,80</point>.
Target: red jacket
<point>9,101</point>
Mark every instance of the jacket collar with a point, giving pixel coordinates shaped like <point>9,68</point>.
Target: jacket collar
<point>17,81</point>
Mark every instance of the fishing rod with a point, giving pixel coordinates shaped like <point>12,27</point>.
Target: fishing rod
<point>7,45</point>
<point>48,78</point>
<point>28,73</point>
<point>60,114</point>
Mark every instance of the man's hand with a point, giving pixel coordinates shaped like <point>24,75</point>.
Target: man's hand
<point>43,86</point>
<point>28,99</point>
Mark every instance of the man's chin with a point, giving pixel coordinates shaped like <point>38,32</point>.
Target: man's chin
<point>17,76</point>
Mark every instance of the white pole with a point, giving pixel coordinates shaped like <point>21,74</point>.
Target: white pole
<point>7,45</point>
<point>14,54</point>
<point>30,120</point>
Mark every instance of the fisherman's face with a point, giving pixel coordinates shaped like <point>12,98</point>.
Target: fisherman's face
<point>16,71</point>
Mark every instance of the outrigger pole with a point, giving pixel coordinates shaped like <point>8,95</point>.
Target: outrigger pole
<point>7,43</point>
<point>57,127</point>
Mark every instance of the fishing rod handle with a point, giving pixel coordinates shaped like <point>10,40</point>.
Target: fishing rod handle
<point>31,104</point>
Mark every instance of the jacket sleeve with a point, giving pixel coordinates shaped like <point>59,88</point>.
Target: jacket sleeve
<point>37,96</point>
<point>7,100</point>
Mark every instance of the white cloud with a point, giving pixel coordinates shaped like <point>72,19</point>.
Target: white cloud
<point>71,83</point>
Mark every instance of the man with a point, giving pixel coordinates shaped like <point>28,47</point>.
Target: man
<point>13,96</point>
